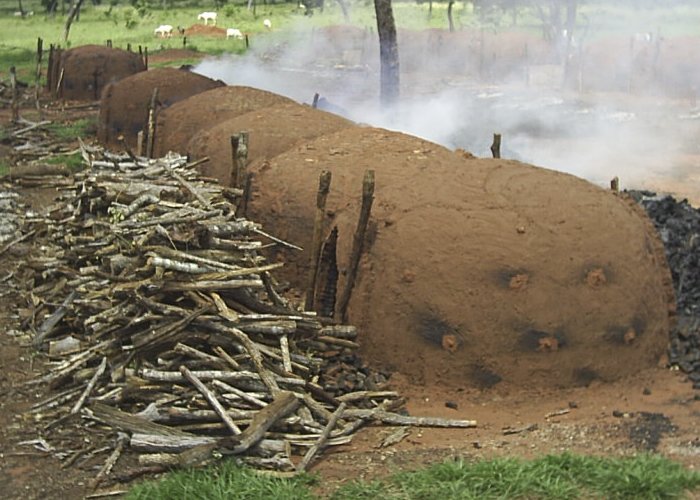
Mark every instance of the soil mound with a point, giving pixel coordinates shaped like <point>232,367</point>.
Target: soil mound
<point>177,124</point>
<point>124,105</point>
<point>170,55</point>
<point>272,131</point>
<point>476,271</point>
<point>204,30</point>
<point>89,68</point>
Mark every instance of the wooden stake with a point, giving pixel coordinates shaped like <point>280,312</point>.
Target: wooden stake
<point>15,97</point>
<point>245,198</point>
<point>139,143</point>
<point>59,83</point>
<point>233,173</point>
<point>145,57</point>
<point>241,159</point>
<point>49,69</point>
<point>37,81</point>
<point>615,185</point>
<point>357,242</point>
<point>56,72</point>
<point>151,131</point>
<point>314,104</point>
<point>128,47</point>
<point>247,42</point>
<point>496,146</point>
<point>324,185</point>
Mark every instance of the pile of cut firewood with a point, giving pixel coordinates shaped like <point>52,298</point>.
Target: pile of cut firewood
<point>163,322</point>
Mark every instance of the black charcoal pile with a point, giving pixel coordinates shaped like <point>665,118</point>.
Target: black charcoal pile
<point>678,224</point>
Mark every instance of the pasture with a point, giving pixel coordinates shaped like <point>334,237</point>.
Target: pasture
<point>134,24</point>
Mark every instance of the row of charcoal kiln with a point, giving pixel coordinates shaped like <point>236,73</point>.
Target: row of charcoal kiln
<point>441,220</point>
<point>164,323</point>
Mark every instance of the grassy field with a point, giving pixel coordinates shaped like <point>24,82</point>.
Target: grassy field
<point>550,477</point>
<point>125,24</point>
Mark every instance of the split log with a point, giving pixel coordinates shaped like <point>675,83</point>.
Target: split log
<point>125,421</point>
<point>324,184</point>
<point>357,243</point>
<point>122,440</point>
<point>211,398</point>
<point>396,419</point>
<point>322,440</point>
<point>91,385</point>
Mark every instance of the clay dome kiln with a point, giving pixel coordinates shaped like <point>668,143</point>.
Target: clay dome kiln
<point>476,271</point>
<point>124,104</point>
<point>271,130</point>
<point>86,70</point>
<point>177,124</point>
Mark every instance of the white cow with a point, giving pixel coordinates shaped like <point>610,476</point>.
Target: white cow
<point>647,37</point>
<point>207,16</point>
<point>235,33</point>
<point>164,30</point>
<point>267,23</point>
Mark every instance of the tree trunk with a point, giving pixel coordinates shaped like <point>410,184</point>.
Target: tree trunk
<point>52,7</point>
<point>388,54</point>
<point>344,7</point>
<point>449,16</point>
<point>571,6</point>
<point>69,20</point>
<point>21,9</point>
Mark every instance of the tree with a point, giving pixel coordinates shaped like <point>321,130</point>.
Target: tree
<point>74,10</point>
<point>449,16</point>
<point>388,54</point>
<point>345,9</point>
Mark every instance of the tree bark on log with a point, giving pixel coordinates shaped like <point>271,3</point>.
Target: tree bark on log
<point>449,16</point>
<point>74,9</point>
<point>388,54</point>
<point>357,243</point>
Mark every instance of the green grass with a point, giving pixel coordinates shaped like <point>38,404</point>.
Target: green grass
<point>72,130</point>
<point>549,477</point>
<point>226,481</point>
<point>124,24</point>
<point>72,162</point>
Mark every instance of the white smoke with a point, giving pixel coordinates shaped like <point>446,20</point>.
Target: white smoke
<point>457,90</point>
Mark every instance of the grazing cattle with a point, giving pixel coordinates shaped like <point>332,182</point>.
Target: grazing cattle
<point>647,37</point>
<point>267,23</point>
<point>235,33</point>
<point>207,16</point>
<point>163,31</point>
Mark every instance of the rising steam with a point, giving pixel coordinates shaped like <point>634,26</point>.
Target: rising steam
<point>627,108</point>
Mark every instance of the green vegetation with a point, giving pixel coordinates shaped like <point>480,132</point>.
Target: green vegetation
<point>227,481</point>
<point>553,476</point>
<point>72,130</point>
<point>549,477</point>
<point>72,161</point>
<point>133,22</point>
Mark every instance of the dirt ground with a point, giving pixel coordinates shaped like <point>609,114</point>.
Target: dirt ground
<point>653,410</point>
